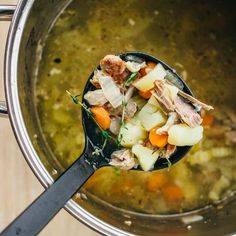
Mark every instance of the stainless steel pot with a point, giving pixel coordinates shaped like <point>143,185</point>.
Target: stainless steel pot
<point>29,27</point>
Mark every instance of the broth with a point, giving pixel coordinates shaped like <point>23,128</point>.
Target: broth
<point>198,40</point>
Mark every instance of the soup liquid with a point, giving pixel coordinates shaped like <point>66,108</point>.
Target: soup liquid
<point>198,40</point>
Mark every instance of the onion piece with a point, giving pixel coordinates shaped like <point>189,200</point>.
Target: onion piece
<point>111,90</point>
<point>95,97</point>
<point>129,93</point>
<point>134,66</point>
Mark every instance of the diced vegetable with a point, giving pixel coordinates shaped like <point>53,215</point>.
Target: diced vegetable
<point>146,156</point>
<point>183,135</point>
<point>156,180</point>
<point>150,117</point>
<point>134,66</point>
<point>152,100</point>
<point>95,98</point>
<point>140,102</point>
<point>207,120</point>
<point>147,82</point>
<point>111,91</point>
<point>172,91</point>
<point>147,109</point>
<point>145,70</point>
<point>172,193</point>
<point>101,116</point>
<point>218,187</point>
<point>159,140</point>
<point>153,120</point>
<point>130,134</point>
<point>145,95</point>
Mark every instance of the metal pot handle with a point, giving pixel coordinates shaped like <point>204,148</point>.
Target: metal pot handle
<point>6,13</point>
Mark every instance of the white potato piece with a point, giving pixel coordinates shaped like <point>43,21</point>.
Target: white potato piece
<point>150,117</point>
<point>183,135</point>
<point>147,82</point>
<point>147,109</point>
<point>172,90</point>
<point>153,120</point>
<point>145,156</point>
<point>130,134</point>
<point>152,100</point>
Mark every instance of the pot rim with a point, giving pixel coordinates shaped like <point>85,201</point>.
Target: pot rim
<point>17,123</point>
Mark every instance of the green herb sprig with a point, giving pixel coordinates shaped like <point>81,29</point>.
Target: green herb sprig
<point>129,80</point>
<point>168,163</point>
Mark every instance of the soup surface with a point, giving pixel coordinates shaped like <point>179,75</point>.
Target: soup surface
<point>196,39</point>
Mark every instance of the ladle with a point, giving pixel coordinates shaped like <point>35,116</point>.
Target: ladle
<point>46,206</point>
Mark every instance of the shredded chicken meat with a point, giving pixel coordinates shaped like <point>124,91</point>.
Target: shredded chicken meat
<point>194,101</point>
<point>115,67</point>
<point>115,125</point>
<point>123,159</point>
<point>187,112</point>
<point>172,119</point>
<point>162,96</point>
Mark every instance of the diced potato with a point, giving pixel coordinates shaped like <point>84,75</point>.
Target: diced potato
<point>218,187</point>
<point>200,157</point>
<point>140,102</point>
<point>183,135</point>
<point>135,121</point>
<point>147,82</point>
<point>130,134</point>
<point>153,101</point>
<point>150,117</point>
<point>145,156</point>
<point>172,90</point>
<point>147,109</point>
<point>153,120</point>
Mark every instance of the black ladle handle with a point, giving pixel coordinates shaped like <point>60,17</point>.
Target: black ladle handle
<point>46,206</point>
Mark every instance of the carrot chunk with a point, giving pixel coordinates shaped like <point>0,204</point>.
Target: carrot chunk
<point>159,140</point>
<point>172,192</point>
<point>156,181</point>
<point>145,70</point>
<point>207,120</point>
<point>145,95</point>
<point>101,116</point>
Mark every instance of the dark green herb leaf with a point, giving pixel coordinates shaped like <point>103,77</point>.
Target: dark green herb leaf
<point>105,134</point>
<point>74,98</point>
<point>132,76</point>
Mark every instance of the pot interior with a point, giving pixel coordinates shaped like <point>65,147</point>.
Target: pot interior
<point>198,39</point>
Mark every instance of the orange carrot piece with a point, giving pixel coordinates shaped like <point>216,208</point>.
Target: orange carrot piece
<point>145,70</point>
<point>101,116</point>
<point>207,120</point>
<point>156,181</point>
<point>159,140</point>
<point>145,95</point>
<point>172,192</point>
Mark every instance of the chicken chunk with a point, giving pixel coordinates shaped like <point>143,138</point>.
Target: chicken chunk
<point>172,119</point>
<point>115,67</point>
<point>187,112</point>
<point>194,101</point>
<point>123,159</point>
<point>115,125</point>
<point>163,97</point>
